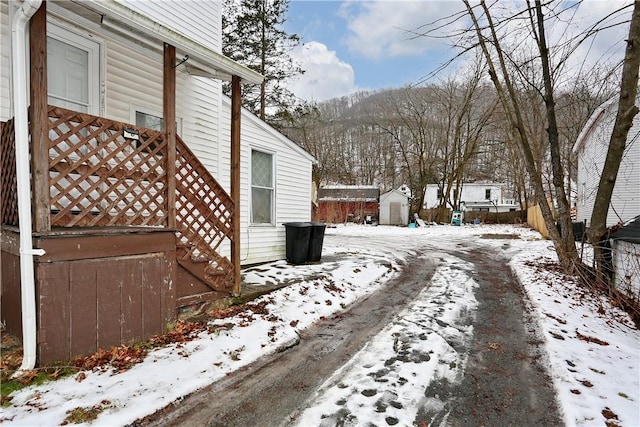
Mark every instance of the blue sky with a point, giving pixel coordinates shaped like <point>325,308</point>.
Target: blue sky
<point>356,45</point>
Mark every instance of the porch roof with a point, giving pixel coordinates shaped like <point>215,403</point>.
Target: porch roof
<point>208,62</point>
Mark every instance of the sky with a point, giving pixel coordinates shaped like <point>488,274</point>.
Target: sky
<point>588,376</point>
<point>354,45</point>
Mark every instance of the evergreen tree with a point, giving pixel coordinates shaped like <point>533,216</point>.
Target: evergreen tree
<point>253,36</point>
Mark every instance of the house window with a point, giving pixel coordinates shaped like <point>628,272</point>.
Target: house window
<point>73,71</point>
<point>439,194</point>
<point>149,121</point>
<point>487,194</point>
<point>262,188</point>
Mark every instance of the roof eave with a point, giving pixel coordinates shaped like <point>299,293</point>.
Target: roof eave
<point>212,63</point>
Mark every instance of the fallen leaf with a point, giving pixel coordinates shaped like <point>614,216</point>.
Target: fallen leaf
<point>81,377</point>
<point>585,383</point>
<point>609,414</point>
<point>591,339</point>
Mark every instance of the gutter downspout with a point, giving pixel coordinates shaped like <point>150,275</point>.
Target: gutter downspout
<point>21,122</point>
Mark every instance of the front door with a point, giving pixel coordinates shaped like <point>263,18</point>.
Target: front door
<point>73,71</point>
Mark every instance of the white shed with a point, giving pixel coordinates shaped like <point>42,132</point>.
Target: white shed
<point>394,208</point>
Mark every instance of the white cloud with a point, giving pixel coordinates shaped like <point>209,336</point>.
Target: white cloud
<point>326,76</point>
<point>382,29</point>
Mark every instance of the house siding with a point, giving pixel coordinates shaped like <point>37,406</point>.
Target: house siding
<point>197,99</point>
<point>131,76</point>
<point>263,243</point>
<point>204,19</point>
<point>471,192</point>
<point>591,152</point>
<point>626,265</point>
<point>5,63</point>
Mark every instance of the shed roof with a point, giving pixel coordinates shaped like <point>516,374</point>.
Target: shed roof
<point>349,193</point>
<point>394,192</point>
<point>630,232</point>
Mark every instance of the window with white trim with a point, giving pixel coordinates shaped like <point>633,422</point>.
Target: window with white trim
<point>262,187</point>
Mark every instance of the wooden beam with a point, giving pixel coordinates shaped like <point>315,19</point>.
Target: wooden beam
<point>235,180</point>
<point>39,122</point>
<point>169,115</point>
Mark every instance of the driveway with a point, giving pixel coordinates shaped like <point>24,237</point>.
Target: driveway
<point>490,368</point>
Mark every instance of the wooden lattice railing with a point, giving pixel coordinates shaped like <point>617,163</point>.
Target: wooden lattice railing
<point>203,217</point>
<point>8,180</point>
<point>98,177</point>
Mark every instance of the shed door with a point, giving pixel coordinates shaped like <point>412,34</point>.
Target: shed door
<point>395,213</point>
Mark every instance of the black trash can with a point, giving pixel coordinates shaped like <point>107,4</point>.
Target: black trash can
<point>297,241</point>
<point>315,241</point>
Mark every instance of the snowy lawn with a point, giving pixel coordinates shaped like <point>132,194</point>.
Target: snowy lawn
<point>593,350</point>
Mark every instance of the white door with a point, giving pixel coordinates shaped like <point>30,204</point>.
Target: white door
<point>73,82</point>
<point>73,77</point>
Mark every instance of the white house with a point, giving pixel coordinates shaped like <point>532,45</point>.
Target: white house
<point>475,196</point>
<point>131,183</point>
<point>394,208</point>
<point>268,155</point>
<point>590,150</point>
<point>98,65</point>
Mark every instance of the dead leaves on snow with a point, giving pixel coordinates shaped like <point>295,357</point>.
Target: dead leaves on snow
<point>123,357</point>
<point>591,339</point>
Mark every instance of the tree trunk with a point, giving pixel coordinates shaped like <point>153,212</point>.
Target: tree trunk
<point>564,208</point>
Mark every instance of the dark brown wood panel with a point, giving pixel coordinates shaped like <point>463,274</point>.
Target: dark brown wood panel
<point>53,305</point>
<point>83,310</point>
<point>86,304</point>
<point>108,300</point>
<point>131,300</point>
<point>10,302</point>
<point>66,248</point>
<point>152,297</point>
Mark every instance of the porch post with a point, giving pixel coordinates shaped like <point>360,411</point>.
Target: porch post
<point>235,180</point>
<point>39,120</point>
<point>169,115</point>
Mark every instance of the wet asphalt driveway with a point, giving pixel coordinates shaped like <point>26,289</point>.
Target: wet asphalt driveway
<point>503,381</point>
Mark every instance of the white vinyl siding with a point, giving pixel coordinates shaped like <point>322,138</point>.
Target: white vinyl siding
<point>134,81</point>
<point>198,20</point>
<point>591,153</point>
<point>293,167</point>
<point>6,107</point>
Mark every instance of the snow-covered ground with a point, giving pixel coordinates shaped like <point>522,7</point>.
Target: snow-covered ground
<point>593,350</point>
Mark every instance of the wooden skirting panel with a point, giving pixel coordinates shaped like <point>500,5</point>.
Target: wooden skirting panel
<point>99,290</point>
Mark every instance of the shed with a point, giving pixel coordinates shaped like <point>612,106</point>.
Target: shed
<point>348,203</point>
<point>394,208</point>
<point>625,246</point>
